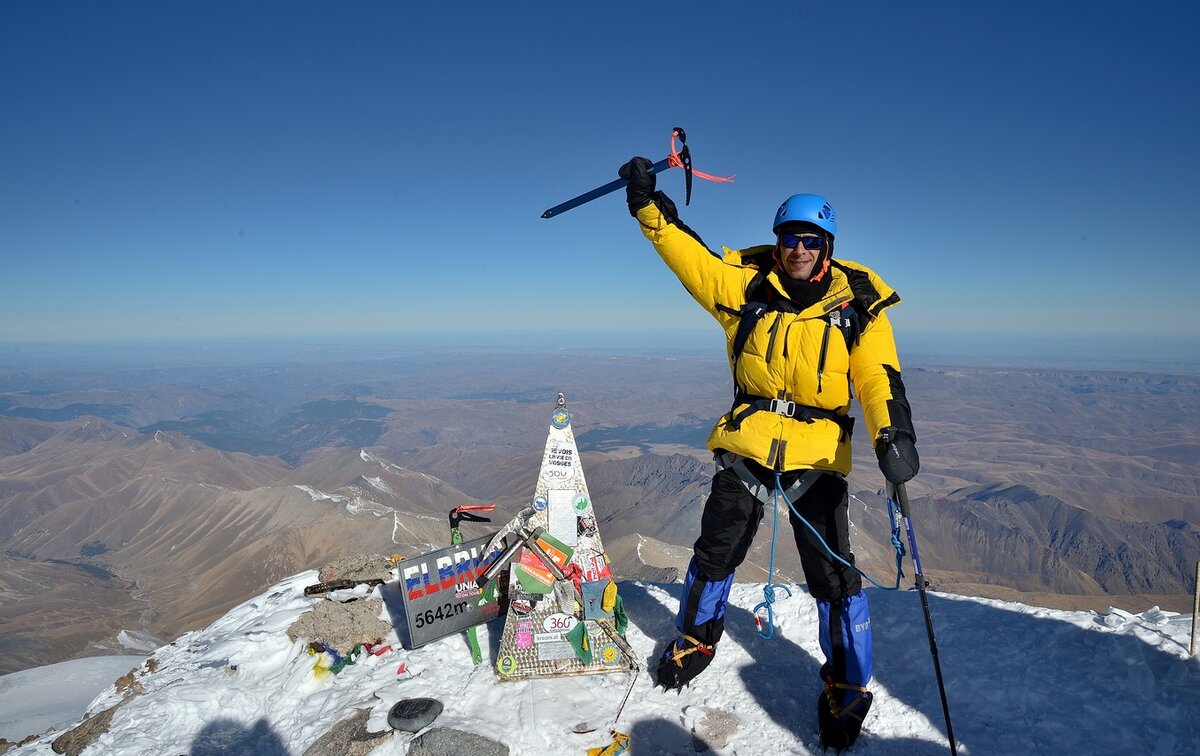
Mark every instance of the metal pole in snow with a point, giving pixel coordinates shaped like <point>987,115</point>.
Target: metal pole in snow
<point>1195,611</point>
<point>900,495</point>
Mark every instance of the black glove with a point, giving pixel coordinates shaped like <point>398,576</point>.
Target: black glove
<point>640,190</point>
<point>897,453</point>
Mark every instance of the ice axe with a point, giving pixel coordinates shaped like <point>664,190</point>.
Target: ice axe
<point>677,159</point>
<point>467,512</point>
<point>457,515</point>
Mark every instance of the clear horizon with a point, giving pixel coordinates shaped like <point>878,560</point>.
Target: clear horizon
<point>1077,352</point>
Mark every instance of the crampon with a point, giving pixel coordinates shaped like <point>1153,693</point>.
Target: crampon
<point>683,659</point>
<point>841,709</point>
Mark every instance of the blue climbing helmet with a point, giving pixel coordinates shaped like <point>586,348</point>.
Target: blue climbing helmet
<point>807,208</point>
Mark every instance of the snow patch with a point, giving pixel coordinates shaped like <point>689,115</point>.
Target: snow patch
<point>362,505</point>
<point>137,640</point>
<point>367,456</point>
<point>379,485</point>
<point>55,696</point>
<point>320,495</point>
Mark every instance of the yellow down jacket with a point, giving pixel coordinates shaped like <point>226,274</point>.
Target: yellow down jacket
<point>809,356</point>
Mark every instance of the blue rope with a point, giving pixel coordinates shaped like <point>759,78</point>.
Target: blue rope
<point>769,588</point>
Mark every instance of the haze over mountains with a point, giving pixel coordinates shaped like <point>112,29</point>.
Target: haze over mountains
<point>154,500</point>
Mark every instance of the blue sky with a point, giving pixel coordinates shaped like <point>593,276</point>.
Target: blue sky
<point>178,170</point>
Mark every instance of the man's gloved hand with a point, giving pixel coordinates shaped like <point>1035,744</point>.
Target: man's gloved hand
<point>897,453</point>
<point>640,190</point>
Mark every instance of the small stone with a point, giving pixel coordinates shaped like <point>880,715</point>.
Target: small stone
<point>443,741</point>
<point>716,727</point>
<point>414,714</point>
<point>349,737</point>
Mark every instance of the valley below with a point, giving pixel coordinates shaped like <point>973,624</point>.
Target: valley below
<point>153,500</point>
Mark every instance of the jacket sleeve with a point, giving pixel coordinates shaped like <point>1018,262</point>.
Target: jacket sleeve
<point>875,371</point>
<point>717,286</point>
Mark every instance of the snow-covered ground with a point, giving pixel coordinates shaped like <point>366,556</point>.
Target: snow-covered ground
<point>1020,680</point>
<point>56,695</point>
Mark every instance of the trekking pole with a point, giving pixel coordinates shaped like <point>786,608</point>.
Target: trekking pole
<point>900,495</point>
<point>1195,611</point>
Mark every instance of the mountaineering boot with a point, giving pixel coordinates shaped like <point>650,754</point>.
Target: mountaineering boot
<point>841,709</point>
<point>845,636</point>
<point>683,659</point>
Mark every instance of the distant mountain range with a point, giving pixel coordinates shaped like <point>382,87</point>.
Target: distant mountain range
<point>1063,489</point>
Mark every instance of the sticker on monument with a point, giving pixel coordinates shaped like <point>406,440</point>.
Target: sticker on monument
<point>561,520</point>
<point>553,651</point>
<point>610,655</point>
<point>559,623</point>
<point>556,475</point>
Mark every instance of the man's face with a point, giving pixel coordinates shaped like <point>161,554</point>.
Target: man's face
<point>798,260</point>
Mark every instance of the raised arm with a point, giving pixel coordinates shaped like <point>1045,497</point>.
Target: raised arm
<point>717,286</point>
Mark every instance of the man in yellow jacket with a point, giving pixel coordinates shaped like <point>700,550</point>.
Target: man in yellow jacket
<point>803,331</point>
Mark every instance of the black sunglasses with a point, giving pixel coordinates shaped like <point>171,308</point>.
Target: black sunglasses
<point>791,241</point>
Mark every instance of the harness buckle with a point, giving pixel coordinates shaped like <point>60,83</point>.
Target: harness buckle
<point>783,407</point>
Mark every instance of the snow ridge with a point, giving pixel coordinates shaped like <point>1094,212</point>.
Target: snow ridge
<point>1020,679</point>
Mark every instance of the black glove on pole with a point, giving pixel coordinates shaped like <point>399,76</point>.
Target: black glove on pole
<point>896,450</point>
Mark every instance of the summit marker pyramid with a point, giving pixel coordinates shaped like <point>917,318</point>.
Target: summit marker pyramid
<point>574,625</point>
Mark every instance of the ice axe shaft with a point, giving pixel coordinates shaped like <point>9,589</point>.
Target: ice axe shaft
<point>600,191</point>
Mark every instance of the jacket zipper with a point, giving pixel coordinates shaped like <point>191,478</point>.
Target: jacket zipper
<point>824,349</point>
<point>774,332</point>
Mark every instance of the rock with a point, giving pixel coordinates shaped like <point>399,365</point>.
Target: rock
<point>349,737</point>
<point>716,727</point>
<point>72,742</point>
<point>443,741</point>
<point>414,714</point>
<point>341,626</point>
<point>126,683</point>
<point>357,567</point>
